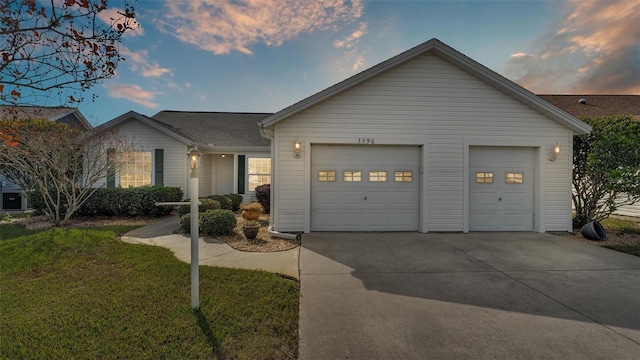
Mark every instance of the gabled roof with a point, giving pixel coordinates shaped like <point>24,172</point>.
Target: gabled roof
<point>438,48</point>
<point>597,105</point>
<point>147,121</point>
<point>53,113</point>
<point>222,129</point>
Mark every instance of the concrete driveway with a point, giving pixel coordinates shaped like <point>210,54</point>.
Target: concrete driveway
<point>466,296</point>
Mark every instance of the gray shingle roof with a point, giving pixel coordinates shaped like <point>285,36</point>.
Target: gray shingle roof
<point>67,115</point>
<point>217,128</point>
<point>597,105</point>
<point>25,112</point>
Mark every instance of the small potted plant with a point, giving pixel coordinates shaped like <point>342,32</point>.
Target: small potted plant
<point>251,214</point>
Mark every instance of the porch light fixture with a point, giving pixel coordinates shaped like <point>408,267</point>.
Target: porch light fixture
<point>556,151</point>
<point>297,149</point>
<point>194,157</point>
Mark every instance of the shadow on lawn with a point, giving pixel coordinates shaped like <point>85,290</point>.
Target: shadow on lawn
<point>205,327</point>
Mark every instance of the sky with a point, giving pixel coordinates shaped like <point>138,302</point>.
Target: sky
<point>264,55</point>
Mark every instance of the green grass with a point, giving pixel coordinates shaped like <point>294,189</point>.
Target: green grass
<point>80,293</point>
<point>627,226</point>
<point>629,249</point>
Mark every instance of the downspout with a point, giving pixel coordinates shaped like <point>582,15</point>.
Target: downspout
<point>269,135</point>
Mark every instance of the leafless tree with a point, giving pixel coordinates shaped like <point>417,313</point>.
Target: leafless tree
<point>58,48</point>
<point>64,164</point>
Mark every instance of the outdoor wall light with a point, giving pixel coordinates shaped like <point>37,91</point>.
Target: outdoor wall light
<point>194,157</point>
<point>297,149</point>
<point>556,151</point>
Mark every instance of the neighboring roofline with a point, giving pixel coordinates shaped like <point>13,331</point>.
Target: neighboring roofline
<point>456,58</point>
<point>212,112</point>
<point>150,122</point>
<point>79,116</point>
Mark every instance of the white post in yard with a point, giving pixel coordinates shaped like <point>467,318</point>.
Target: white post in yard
<point>194,158</point>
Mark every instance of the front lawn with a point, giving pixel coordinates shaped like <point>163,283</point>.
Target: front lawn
<point>81,293</point>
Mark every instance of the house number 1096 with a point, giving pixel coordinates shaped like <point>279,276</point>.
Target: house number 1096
<point>366,141</point>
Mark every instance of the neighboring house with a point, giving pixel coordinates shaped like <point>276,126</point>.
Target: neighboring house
<point>598,106</point>
<point>429,140</point>
<point>12,195</point>
<point>235,156</point>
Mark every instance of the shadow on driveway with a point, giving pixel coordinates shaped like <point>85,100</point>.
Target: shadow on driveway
<point>478,295</point>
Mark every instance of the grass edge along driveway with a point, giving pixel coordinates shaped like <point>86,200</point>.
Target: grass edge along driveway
<point>81,293</point>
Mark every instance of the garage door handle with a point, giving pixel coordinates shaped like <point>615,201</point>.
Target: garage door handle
<point>365,198</point>
<point>499,199</point>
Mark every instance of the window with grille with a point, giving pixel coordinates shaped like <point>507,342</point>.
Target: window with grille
<point>135,168</point>
<point>258,172</point>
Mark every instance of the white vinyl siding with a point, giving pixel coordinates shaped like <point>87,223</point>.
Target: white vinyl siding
<point>147,138</point>
<point>430,103</point>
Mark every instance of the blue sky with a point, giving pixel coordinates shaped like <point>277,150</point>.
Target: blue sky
<point>262,56</point>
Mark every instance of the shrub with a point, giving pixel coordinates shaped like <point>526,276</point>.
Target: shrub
<point>236,201</point>
<point>121,202</point>
<point>185,223</point>
<point>205,205</point>
<point>217,222</point>
<point>146,198</point>
<point>263,193</point>
<point>225,202</point>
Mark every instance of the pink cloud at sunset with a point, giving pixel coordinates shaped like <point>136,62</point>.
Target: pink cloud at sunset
<point>133,93</point>
<point>223,26</point>
<point>595,50</point>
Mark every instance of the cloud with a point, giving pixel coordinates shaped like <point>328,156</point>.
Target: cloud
<point>223,26</point>
<point>133,93</point>
<point>114,16</point>
<point>352,56</point>
<point>352,40</point>
<point>595,50</point>
<point>138,61</point>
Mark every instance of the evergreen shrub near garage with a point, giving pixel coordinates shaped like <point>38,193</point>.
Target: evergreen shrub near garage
<point>236,201</point>
<point>263,193</point>
<point>205,205</point>
<point>216,222</point>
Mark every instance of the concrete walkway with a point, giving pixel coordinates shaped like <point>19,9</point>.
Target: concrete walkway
<point>213,252</point>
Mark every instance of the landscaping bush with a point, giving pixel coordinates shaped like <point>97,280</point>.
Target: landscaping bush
<point>236,201</point>
<point>225,202</point>
<point>205,205</point>
<point>185,223</point>
<point>121,202</point>
<point>263,193</point>
<point>146,198</point>
<point>217,222</point>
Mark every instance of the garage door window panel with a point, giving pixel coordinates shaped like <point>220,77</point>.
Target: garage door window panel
<point>514,178</point>
<point>404,176</point>
<point>484,177</point>
<point>377,176</point>
<point>352,176</point>
<point>326,175</point>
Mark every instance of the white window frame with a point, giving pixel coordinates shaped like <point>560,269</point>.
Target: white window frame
<point>122,167</point>
<point>248,174</point>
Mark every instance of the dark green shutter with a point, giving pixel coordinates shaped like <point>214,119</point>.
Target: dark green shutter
<point>159,167</point>
<point>111,168</point>
<point>241,173</point>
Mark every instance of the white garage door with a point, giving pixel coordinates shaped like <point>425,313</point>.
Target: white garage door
<point>364,188</point>
<point>501,188</point>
